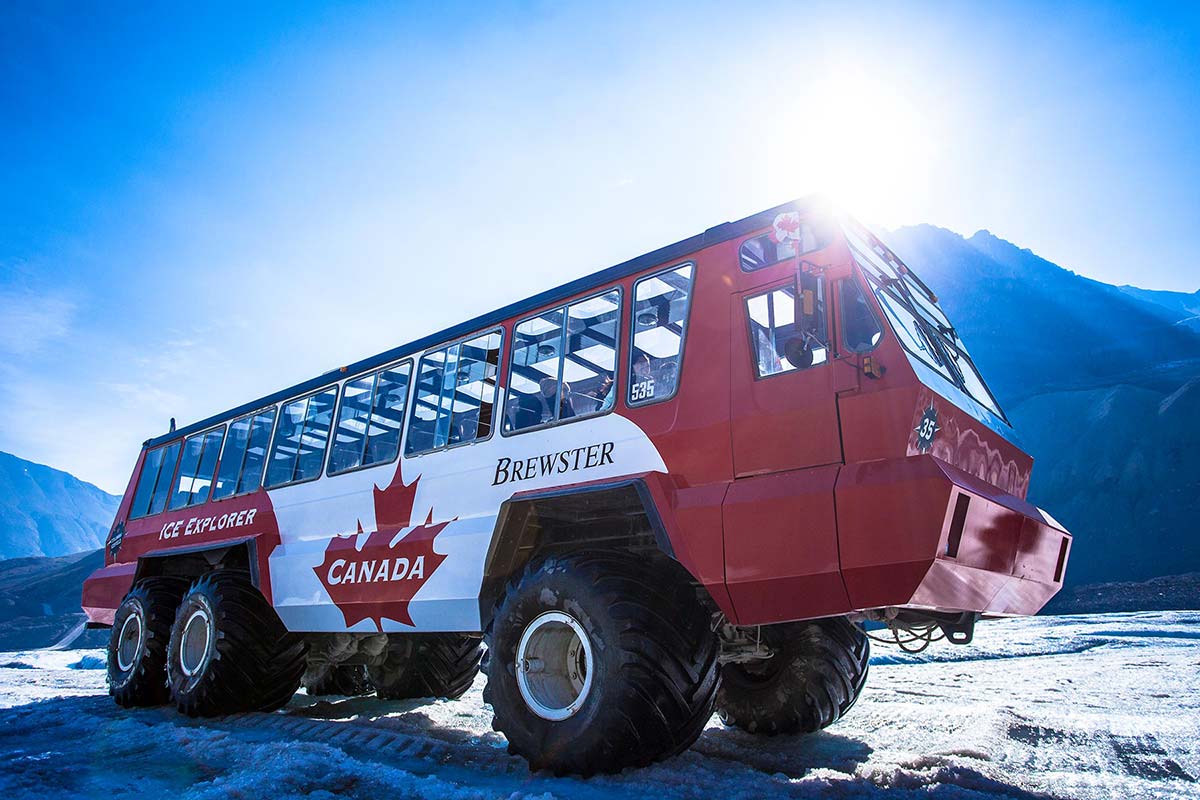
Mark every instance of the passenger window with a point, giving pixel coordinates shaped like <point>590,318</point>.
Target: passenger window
<point>298,449</point>
<point>369,419</point>
<point>455,397</point>
<point>196,468</point>
<point>660,313</point>
<point>245,453</point>
<point>162,487</point>
<point>861,330</point>
<point>158,467</point>
<point>564,363</point>
<point>790,236</point>
<point>779,343</point>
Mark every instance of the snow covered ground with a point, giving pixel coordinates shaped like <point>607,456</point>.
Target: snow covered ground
<point>1068,707</point>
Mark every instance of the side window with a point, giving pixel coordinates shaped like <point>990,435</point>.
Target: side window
<point>780,342</point>
<point>660,313</point>
<point>245,453</point>
<point>564,363</point>
<point>455,397</point>
<point>298,449</point>
<point>861,330</point>
<point>789,237</point>
<point>154,482</point>
<point>196,468</point>
<point>369,419</point>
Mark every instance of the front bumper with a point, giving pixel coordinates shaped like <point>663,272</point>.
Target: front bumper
<point>919,533</point>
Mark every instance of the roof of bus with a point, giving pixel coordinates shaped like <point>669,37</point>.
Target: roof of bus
<point>714,235</point>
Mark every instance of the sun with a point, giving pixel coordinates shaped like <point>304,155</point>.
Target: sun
<point>862,141</point>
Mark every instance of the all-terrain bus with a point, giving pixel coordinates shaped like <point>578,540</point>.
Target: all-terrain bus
<point>683,483</point>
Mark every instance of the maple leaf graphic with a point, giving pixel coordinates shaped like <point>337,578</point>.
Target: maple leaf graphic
<point>380,578</point>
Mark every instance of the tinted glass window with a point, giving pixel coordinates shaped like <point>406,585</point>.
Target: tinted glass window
<point>533,397</point>
<point>145,484</point>
<point>778,341</point>
<point>196,468</point>
<point>354,417</point>
<point>564,363</point>
<point>790,236</point>
<point>256,452</point>
<point>154,465</point>
<point>861,330</point>
<point>245,452</point>
<point>298,449</point>
<point>660,312</point>
<point>455,397</point>
<point>369,419</point>
<point>231,459</point>
<point>474,391</point>
<point>162,487</point>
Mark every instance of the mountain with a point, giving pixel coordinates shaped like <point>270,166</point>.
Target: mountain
<point>1180,307</point>
<point>47,512</point>
<point>39,602</point>
<point>1102,384</point>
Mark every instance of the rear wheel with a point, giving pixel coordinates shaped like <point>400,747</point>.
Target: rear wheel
<point>815,674</point>
<point>600,661</point>
<point>137,647</point>
<point>427,665</point>
<point>346,680</point>
<point>229,651</point>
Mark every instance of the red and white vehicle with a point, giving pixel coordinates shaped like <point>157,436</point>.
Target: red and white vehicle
<point>680,483</point>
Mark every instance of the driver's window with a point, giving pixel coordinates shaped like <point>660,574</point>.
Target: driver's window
<point>781,343</point>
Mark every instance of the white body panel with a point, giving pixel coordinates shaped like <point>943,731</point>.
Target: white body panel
<point>457,484</point>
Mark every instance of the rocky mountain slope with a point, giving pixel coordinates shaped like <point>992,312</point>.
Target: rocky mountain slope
<point>1103,386</point>
<point>47,512</point>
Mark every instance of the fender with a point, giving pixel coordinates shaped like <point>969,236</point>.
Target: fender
<point>105,588</point>
<point>633,510</point>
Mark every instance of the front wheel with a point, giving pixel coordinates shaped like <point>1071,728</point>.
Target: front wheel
<point>137,647</point>
<point>816,672</point>
<point>600,661</point>
<point>229,650</point>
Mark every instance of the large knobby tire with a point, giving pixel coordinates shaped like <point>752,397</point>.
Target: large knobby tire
<point>618,663</point>
<point>813,678</point>
<point>345,680</point>
<point>229,651</point>
<point>137,647</point>
<point>427,665</point>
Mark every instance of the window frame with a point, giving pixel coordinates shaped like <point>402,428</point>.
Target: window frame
<point>687,321</point>
<point>620,290</point>
<point>275,431</point>
<point>865,293</point>
<point>366,436</point>
<point>767,290</point>
<point>411,409</point>
<point>761,267</point>
<point>216,465</point>
<point>263,472</point>
<point>174,467</point>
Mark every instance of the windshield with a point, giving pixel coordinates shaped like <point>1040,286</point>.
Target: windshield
<point>919,322</point>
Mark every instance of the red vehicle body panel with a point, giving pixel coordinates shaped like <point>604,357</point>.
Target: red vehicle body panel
<point>799,495</point>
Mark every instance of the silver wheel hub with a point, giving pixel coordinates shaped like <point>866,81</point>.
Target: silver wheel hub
<point>196,642</point>
<point>554,665</point>
<point>130,641</point>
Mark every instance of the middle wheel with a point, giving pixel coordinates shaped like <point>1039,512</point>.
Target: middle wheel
<point>600,661</point>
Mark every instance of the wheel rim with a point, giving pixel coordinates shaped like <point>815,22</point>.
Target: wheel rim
<point>129,641</point>
<point>196,642</point>
<point>554,666</point>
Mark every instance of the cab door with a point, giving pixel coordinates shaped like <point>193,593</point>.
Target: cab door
<point>783,408</point>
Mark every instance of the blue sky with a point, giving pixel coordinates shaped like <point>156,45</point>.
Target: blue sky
<point>198,209</point>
